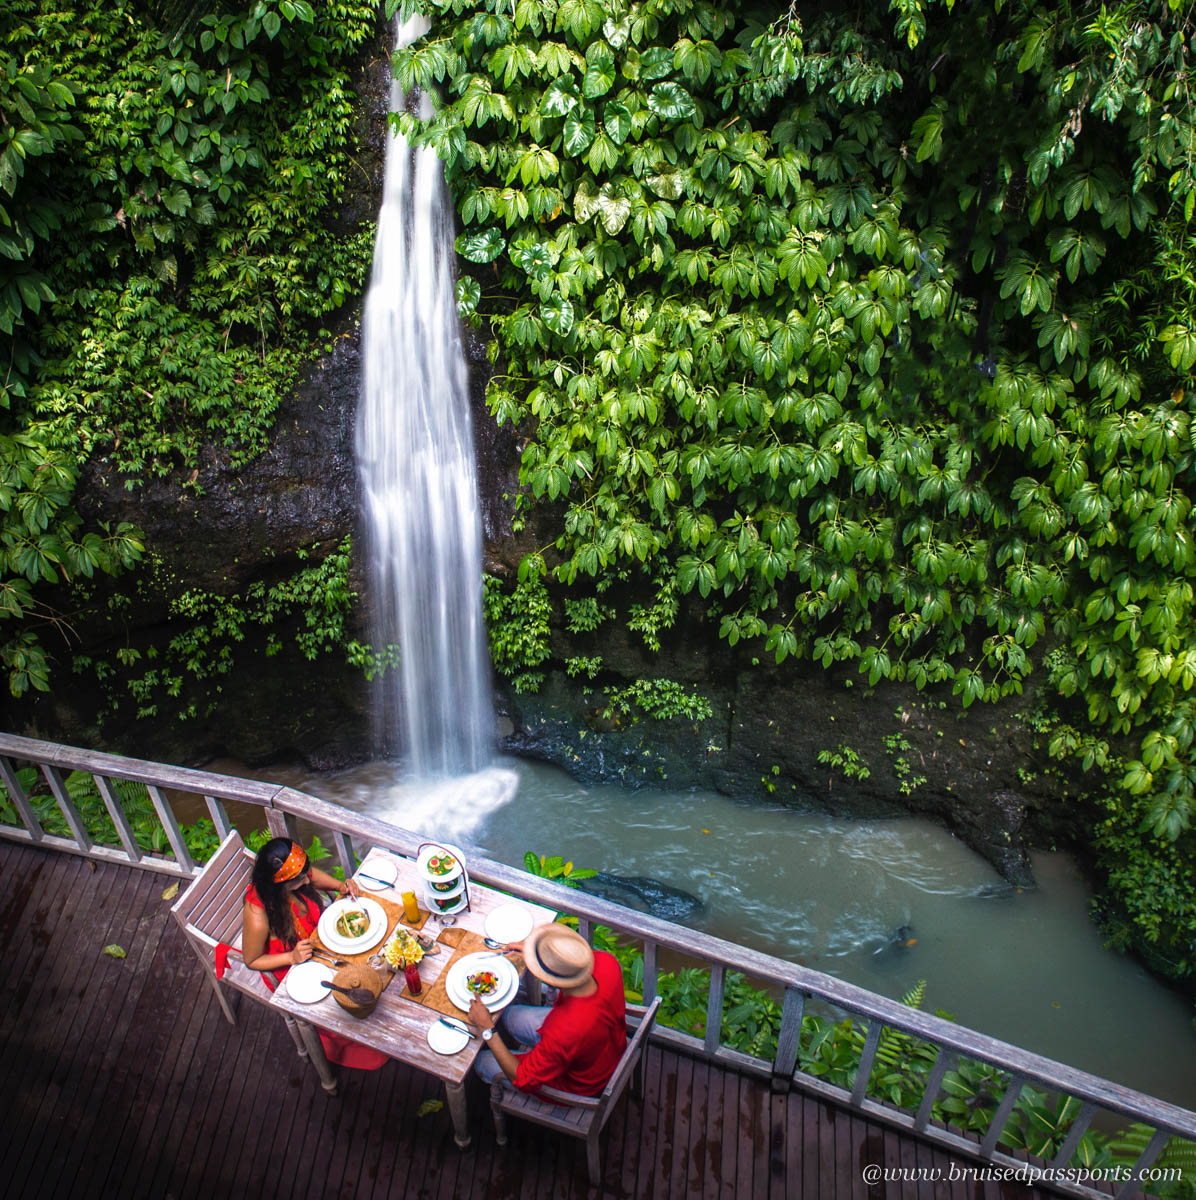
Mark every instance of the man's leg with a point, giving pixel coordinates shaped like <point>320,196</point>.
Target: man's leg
<point>519,1023</point>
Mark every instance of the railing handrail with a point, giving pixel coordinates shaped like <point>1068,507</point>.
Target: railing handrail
<point>286,802</point>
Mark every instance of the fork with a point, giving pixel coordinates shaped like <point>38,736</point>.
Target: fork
<point>327,958</point>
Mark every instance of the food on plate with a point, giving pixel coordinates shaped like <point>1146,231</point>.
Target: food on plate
<point>484,983</point>
<point>445,903</point>
<point>449,886</point>
<point>353,923</point>
<point>402,950</point>
<point>441,864</point>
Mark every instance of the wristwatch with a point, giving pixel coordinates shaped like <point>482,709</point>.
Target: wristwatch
<point>487,1034</point>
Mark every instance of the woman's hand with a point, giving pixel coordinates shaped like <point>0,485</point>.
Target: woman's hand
<point>479,1014</point>
<point>352,888</point>
<point>302,952</point>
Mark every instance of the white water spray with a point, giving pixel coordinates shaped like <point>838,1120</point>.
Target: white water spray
<point>415,453</point>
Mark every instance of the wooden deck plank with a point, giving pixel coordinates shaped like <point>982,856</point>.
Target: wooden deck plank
<point>122,1077</point>
<point>674,1174</point>
<point>779,1113</point>
<point>221,1081</point>
<point>63,1073</point>
<point>155,1014</point>
<point>127,978</point>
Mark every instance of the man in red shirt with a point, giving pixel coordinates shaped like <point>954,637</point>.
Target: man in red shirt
<point>576,1044</point>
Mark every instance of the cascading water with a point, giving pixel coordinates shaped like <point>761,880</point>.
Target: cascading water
<point>415,455</point>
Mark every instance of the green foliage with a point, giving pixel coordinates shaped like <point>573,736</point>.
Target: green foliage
<point>556,868</point>
<point>165,256</point>
<point>316,600</point>
<point>134,801</point>
<point>657,698</point>
<point>847,760</point>
<point>803,323</point>
<point>517,624</point>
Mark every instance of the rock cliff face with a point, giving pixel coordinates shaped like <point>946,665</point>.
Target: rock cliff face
<point>894,750</point>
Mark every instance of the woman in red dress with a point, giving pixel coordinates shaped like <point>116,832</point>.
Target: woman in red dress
<point>282,910</point>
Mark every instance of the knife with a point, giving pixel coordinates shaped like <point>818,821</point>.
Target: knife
<point>457,1027</point>
<point>374,879</point>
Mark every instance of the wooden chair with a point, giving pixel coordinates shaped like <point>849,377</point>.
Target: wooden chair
<point>578,1116</point>
<point>209,912</point>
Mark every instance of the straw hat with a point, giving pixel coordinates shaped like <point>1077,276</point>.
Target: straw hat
<point>558,955</point>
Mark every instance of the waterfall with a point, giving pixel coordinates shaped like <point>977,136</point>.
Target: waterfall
<point>415,455</point>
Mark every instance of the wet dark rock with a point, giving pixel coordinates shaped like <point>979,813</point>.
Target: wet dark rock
<point>914,753</point>
<point>646,895</point>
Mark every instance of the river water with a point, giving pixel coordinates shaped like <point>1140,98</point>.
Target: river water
<point>1027,967</point>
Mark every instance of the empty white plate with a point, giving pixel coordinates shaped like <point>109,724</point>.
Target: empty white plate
<point>305,982</point>
<point>444,1040</point>
<point>382,869</point>
<point>509,923</point>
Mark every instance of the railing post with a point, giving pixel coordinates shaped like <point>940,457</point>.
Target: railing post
<point>1145,1160</point>
<point>788,1040</point>
<point>124,830</point>
<point>943,1062</point>
<point>219,815</point>
<point>651,971</point>
<point>174,834</point>
<point>1077,1130</point>
<point>867,1057</point>
<point>997,1125</point>
<point>714,1009</point>
<point>78,829</point>
<point>344,852</point>
<point>20,801</point>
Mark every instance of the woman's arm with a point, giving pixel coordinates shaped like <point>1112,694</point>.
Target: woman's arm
<point>255,936</point>
<point>329,883</point>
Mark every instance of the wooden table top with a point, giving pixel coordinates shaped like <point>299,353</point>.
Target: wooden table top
<point>398,1026</point>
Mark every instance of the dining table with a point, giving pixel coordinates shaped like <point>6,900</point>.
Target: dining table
<point>399,1024</point>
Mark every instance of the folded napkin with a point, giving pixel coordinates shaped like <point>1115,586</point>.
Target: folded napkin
<point>223,950</point>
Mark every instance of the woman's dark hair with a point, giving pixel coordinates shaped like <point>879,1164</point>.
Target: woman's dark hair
<point>275,898</point>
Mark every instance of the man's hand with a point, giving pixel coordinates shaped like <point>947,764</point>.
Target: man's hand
<point>479,1014</point>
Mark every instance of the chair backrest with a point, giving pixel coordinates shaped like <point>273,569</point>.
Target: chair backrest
<point>210,909</point>
<point>628,1063</point>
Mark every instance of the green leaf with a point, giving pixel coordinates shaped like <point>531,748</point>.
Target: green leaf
<point>578,132</point>
<point>671,102</point>
<point>483,246</point>
<point>557,313</point>
<point>114,951</point>
<point>560,98</point>
<point>599,77</point>
<point>617,121</point>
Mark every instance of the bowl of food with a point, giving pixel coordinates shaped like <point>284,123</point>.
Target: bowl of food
<point>353,976</point>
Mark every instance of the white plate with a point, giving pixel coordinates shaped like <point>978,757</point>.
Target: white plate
<point>459,993</point>
<point>381,868</point>
<point>435,852</point>
<point>368,940</point>
<point>305,982</point>
<point>509,923</point>
<point>444,1040</point>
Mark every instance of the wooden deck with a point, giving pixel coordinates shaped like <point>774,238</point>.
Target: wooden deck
<point>121,1078</point>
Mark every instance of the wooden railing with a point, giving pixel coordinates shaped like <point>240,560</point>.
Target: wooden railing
<point>352,834</point>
